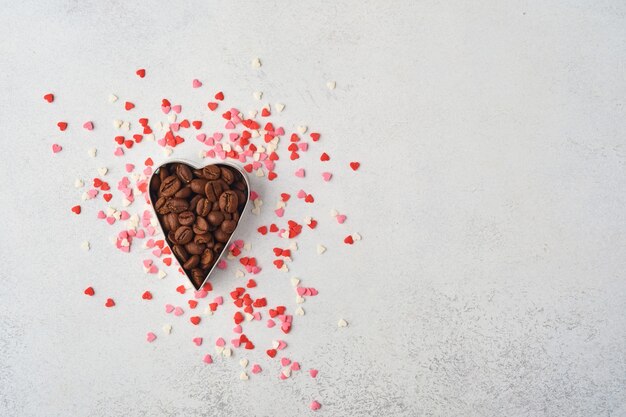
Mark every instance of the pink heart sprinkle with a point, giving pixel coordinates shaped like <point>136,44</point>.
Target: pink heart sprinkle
<point>237,329</point>
<point>200,294</point>
<point>56,148</point>
<point>285,361</point>
<point>150,337</point>
<point>140,234</point>
<point>313,373</point>
<point>129,167</point>
<point>301,194</point>
<point>303,146</point>
<point>280,212</point>
<point>207,359</point>
<point>256,368</point>
<point>233,136</point>
<point>281,345</point>
<point>177,108</point>
<point>196,84</point>
<point>178,311</point>
<point>219,300</point>
<point>341,218</point>
<point>229,125</point>
<point>235,342</point>
<point>301,291</point>
<point>220,342</point>
<point>315,405</point>
<point>118,151</point>
<point>88,125</point>
<point>169,308</point>
<point>256,315</point>
<point>110,220</point>
<point>166,109</point>
<point>197,341</point>
<point>300,173</point>
<point>201,137</point>
<point>218,136</point>
<point>327,176</point>
<point>295,366</point>
<point>147,263</point>
<point>285,327</point>
<point>101,215</point>
<point>271,323</point>
<point>280,131</point>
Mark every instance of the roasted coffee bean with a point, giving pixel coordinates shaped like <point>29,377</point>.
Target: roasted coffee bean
<point>214,189</point>
<point>184,192</point>
<point>203,208</point>
<point>177,205</point>
<point>239,185</point>
<point>201,226</point>
<point>227,175</point>
<point>235,216</point>
<point>184,173</point>
<point>186,218</point>
<point>195,249</point>
<point>192,262</point>
<point>228,226</point>
<point>241,198</point>
<point>170,221</point>
<point>180,253</point>
<point>198,185</point>
<point>212,172</point>
<point>169,186</point>
<point>163,173</point>
<point>221,236</point>
<point>161,206</point>
<point>218,247</point>
<point>171,236</point>
<point>228,201</point>
<point>203,239</point>
<point>155,184</point>
<point>197,276</point>
<point>215,218</point>
<point>183,235</point>
<point>207,257</point>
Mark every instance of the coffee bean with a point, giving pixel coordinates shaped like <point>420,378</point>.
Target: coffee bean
<point>211,172</point>
<point>203,239</point>
<point>228,201</point>
<point>186,218</point>
<point>192,262</point>
<point>184,173</point>
<point>180,253</point>
<point>169,186</point>
<point>221,236</point>
<point>184,192</point>
<point>203,208</point>
<point>170,221</point>
<point>177,205</point>
<point>214,189</point>
<point>228,226</point>
<point>197,276</point>
<point>161,206</point>
<point>207,257</point>
<point>183,235</point>
<point>227,175</point>
<point>198,185</point>
<point>201,226</point>
<point>155,184</point>
<point>163,173</point>
<point>194,248</point>
<point>215,218</point>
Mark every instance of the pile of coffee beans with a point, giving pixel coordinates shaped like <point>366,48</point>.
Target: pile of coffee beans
<point>198,210</point>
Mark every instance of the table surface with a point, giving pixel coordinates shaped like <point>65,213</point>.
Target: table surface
<point>490,277</point>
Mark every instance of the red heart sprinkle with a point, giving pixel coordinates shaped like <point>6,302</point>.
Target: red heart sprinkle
<point>212,106</point>
<point>251,283</point>
<point>273,228</point>
<point>272,175</point>
<point>62,126</point>
<point>148,162</point>
<point>89,291</point>
<point>355,165</point>
<point>181,289</point>
<point>315,137</point>
<point>105,186</point>
<point>219,96</point>
<point>141,73</point>
<point>271,353</point>
<point>128,105</point>
<point>349,240</point>
<point>285,197</point>
<point>76,209</point>
<point>238,317</point>
<point>324,157</point>
<point>49,97</point>
<point>107,197</point>
<point>262,230</point>
<point>147,295</point>
<point>110,302</point>
<point>265,112</point>
<point>195,320</point>
<point>197,124</point>
<point>192,303</point>
<point>309,198</point>
<point>167,261</point>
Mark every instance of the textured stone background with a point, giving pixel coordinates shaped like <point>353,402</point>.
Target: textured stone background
<point>490,281</point>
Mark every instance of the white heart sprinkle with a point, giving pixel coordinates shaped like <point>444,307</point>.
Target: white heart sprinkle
<point>299,311</point>
<point>78,183</point>
<point>257,95</point>
<point>280,107</point>
<point>103,171</point>
<point>321,249</point>
<point>117,123</point>
<point>112,98</point>
<point>302,129</point>
<point>331,85</point>
<point>167,329</point>
<point>356,236</point>
<point>243,376</point>
<point>243,363</point>
<point>256,63</point>
<point>85,245</point>
<point>227,352</point>
<point>299,299</point>
<point>295,281</point>
<point>342,323</point>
